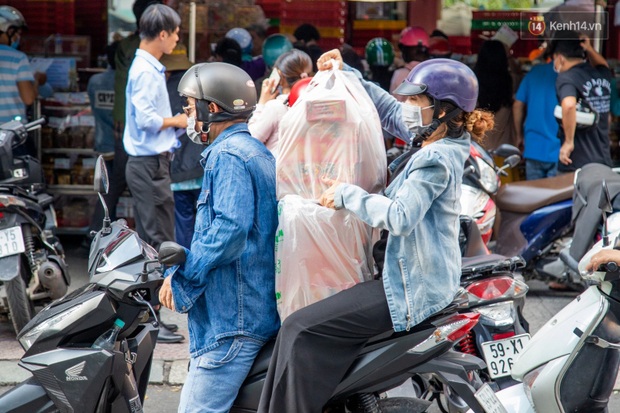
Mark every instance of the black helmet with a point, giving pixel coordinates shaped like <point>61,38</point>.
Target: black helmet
<point>188,85</point>
<point>229,86</point>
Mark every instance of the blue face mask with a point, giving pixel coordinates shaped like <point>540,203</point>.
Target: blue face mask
<point>15,43</point>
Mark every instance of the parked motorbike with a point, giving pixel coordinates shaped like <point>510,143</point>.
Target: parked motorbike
<point>497,292</point>
<point>32,266</point>
<point>66,352</point>
<point>481,181</point>
<point>535,223</point>
<point>571,364</point>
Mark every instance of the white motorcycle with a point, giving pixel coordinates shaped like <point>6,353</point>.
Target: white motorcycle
<point>571,364</point>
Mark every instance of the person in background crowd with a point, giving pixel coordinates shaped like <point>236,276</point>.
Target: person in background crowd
<point>380,56</point>
<point>149,136</point>
<point>255,66</point>
<point>413,45</point>
<point>351,58</point>
<point>273,47</point>
<point>125,53</point>
<point>259,34</point>
<point>581,84</point>
<point>18,85</point>
<point>100,91</point>
<point>273,103</point>
<point>226,284</point>
<point>227,50</point>
<point>306,38</point>
<point>317,344</point>
<point>535,102</point>
<point>496,92</point>
<point>185,169</point>
<point>439,45</point>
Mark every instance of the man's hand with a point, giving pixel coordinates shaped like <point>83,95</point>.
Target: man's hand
<point>325,61</point>
<point>585,42</point>
<point>603,257</point>
<point>565,151</point>
<point>165,294</point>
<point>180,121</point>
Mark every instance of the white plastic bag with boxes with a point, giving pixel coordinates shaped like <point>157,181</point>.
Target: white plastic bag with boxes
<point>332,132</point>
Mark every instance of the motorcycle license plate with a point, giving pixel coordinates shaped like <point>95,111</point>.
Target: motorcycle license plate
<point>488,400</point>
<point>501,354</point>
<point>11,241</point>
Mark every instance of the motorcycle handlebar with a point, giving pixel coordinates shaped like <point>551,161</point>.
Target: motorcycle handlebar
<point>569,260</point>
<point>32,125</point>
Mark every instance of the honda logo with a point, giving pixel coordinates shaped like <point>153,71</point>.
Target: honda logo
<point>73,373</point>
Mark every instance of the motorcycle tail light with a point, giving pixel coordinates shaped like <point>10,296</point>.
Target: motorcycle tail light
<point>453,329</point>
<point>501,336</point>
<point>494,289</point>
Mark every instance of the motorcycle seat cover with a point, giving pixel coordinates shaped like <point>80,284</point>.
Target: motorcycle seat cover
<point>527,196</point>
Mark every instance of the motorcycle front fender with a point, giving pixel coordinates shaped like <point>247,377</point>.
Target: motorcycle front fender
<point>27,397</point>
<point>10,267</point>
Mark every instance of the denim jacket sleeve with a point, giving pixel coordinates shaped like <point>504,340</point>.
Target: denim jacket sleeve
<point>427,178</point>
<point>387,106</point>
<point>224,240</point>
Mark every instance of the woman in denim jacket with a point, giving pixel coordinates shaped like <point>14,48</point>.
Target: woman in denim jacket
<point>317,344</point>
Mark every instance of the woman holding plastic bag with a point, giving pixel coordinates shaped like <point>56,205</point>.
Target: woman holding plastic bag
<point>420,209</point>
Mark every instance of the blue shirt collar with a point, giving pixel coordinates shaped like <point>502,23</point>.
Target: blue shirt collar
<point>151,59</point>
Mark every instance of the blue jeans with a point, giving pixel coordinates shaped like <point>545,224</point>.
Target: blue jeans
<point>185,215</point>
<point>538,169</point>
<point>215,377</point>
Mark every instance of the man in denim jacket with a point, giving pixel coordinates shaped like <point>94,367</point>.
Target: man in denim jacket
<point>227,282</point>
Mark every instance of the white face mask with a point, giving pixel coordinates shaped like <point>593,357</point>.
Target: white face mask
<point>412,117</point>
<point>196,137</point>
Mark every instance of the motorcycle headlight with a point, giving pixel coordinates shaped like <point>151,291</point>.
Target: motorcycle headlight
<point>488,178</point>
<point>29,337</point>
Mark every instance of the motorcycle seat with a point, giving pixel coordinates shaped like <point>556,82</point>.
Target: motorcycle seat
<point>261,362</point>
<point>527,196</point>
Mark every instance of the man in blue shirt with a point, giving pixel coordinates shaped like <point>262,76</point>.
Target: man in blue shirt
<point>227,283</point>
<point>18,88</point>
<point>535,100</point>
<point>150,137</point>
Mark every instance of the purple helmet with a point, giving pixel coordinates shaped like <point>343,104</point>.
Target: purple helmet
<point>445,80</point>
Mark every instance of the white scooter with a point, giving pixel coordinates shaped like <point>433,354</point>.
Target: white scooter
<point>571,364</point>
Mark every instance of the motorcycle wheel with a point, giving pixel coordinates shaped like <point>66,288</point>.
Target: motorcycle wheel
<point>20,307</point>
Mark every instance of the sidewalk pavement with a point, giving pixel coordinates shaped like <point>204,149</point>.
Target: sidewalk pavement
<point>170,361</point>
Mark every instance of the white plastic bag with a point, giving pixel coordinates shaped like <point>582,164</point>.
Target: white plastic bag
<point>332,131</point>
<point>319,252</point>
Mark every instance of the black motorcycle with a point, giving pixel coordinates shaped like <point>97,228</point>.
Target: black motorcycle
<point>73,371</point>
<point>32,266</point>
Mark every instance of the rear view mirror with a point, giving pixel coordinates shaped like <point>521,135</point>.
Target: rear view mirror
<point>171,253</point>
<point>505,150</point>
<point>512,161</point>
<point>101,182</point>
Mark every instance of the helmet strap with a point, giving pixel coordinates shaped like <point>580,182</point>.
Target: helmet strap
<point>436,123</point>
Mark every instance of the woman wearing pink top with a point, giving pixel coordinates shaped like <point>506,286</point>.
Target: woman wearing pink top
<point>413,45</point>
<point>273,102</point>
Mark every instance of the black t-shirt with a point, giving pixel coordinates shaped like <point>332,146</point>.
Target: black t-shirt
<point>592,84</point>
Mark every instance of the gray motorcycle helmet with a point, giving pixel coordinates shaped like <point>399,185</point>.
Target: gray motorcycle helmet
<point>188,85</point>
<point>229,86</point>
<point>11,17</point>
